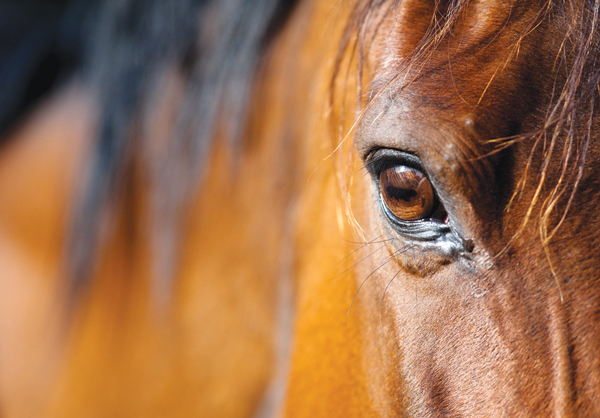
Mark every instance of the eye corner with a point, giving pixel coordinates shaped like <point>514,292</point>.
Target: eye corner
<point>374,162</point>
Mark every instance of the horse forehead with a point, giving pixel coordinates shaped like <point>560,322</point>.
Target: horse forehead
<point>479,84</point>
<point>395,123</point>
<point>399,31</point>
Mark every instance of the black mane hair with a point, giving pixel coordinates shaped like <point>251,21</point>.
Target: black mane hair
<point>40,47</point>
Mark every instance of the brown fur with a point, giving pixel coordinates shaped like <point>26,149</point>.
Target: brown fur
<point>497,99</point>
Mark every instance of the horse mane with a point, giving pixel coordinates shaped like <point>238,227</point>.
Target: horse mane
<point>576,102</point>
<point>216,46</point>
<point>122,49</point>
<point>39,50</point>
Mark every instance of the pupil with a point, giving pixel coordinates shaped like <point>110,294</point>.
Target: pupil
<point>400,194</point>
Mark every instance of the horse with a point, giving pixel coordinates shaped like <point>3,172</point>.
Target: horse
<point>300,208</point>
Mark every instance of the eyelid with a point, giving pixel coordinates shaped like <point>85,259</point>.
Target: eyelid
<point>378,160</point>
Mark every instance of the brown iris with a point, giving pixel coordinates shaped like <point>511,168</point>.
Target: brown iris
<point>407,193</point>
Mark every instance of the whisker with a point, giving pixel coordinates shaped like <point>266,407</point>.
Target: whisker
<point>365,280</point>
<point>364,244</point>
<point>357,263</point>
<point>385,290</point>
<point>373,272</point>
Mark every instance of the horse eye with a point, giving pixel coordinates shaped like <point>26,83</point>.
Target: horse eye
<point>407,193</point>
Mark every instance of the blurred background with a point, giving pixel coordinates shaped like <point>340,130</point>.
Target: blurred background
<point>135,278</point>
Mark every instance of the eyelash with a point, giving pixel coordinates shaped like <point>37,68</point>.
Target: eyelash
<point>378,160</point>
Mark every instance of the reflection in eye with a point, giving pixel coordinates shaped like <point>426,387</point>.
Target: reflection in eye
<point>407,193</point>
